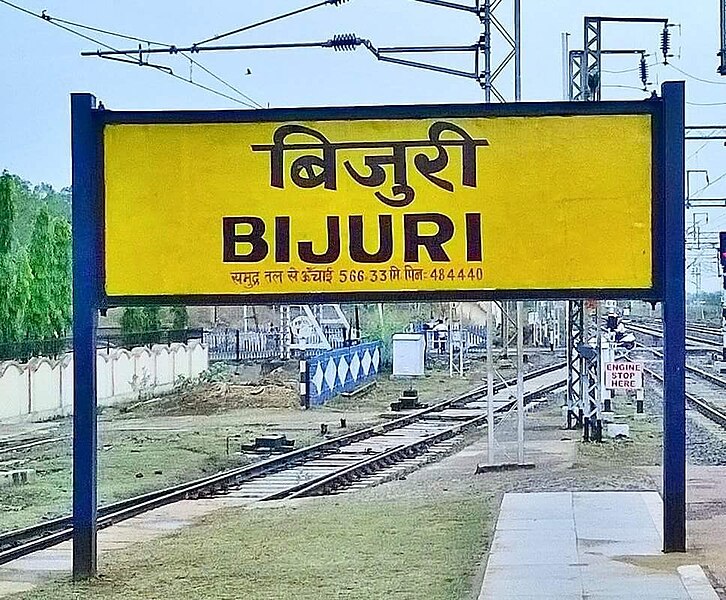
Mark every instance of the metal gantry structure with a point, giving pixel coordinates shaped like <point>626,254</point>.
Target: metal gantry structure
<point>585,66</point>
<point>576,373</point>
<point>583,72</point>
<point>487,67</point>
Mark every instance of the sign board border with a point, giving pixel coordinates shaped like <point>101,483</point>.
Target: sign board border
<point>652,107</point>
<point>668,231</point>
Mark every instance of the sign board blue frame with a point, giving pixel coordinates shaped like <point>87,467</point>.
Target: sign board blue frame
<point>89,297</point>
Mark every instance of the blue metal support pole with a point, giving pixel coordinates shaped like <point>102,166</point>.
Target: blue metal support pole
<point>674,319</point>
<point>85,148</point>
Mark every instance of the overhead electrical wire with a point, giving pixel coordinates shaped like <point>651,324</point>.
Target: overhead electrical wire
<point>45,16</point>
<point>629,87</point>
<point>708,185</point>
<point>702,146</point>
<point>706,103</point>
<point>694,77</point>
<point>630,70</point>
<point>271,20</point>
<point>147,41</point>
<point>67,25</point>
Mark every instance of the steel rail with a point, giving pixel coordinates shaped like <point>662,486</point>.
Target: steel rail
<point>328,482</point>
<point>658,333</point>
<point>706,409</point>
<point>700,327</point>
<point>19,543</point>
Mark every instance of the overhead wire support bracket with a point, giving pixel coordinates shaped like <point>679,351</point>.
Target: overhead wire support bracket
<point>345,42</point>
<point>591,69</point>
<point>231,47</point>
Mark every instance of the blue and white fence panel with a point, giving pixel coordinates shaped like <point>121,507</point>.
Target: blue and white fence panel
<point>330,373</point>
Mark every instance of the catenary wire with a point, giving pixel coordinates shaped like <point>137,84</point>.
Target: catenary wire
<point>701,79</point>
<point>168,71</point>
<point>702,146</point>
<point>708,185</point>
<point>268,21</point>
<point>630,70</point>
<point>193,61</point>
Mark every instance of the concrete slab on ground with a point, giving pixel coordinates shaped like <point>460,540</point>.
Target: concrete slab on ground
<point>577,545</point>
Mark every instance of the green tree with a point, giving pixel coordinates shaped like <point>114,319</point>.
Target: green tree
<point>38,313</point>
<point>7,213</point>
<point>20,297</point>
<point>132,320</point>
<point>7,274</point>
<point>179,317</point>
<point>35,260</point>
<point>152,316</point>
<point>60,275</point>
<point>140,319</point>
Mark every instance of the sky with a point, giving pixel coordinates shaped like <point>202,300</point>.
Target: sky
<point>41,65</point>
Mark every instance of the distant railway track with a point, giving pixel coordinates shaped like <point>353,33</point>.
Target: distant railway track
<point>707,409</point>
<point>320,468</point>
<point>6,448</point>
<point>655,331</point>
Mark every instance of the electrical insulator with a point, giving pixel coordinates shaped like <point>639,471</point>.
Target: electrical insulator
<point>665,43</point>
<point>643,71</point>
<point>337,2</point>
<point>344,42</point>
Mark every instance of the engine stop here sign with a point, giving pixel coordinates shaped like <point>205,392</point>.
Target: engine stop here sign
<point>624,375</point>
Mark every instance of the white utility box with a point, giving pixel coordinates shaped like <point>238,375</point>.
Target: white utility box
<point>409,350</point>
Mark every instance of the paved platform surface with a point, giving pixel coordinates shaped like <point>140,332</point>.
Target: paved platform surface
<point>582,545</point>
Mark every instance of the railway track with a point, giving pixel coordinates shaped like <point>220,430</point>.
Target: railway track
<point>690,337</point>
<point>702,405</point>
<point>318,469</point>
<point>708,410</point>
<point>695,334</point>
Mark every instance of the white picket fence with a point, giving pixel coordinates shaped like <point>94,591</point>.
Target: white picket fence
<point>43,387</point>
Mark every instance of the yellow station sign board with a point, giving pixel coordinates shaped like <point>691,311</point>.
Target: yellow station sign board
<point>513,203</point>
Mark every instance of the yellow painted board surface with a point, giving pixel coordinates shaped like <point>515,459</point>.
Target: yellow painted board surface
<point>562,203</point>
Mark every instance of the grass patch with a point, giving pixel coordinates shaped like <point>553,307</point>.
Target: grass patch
<point>644,447</point>
<point>352,549</point>
<point>130,463</point>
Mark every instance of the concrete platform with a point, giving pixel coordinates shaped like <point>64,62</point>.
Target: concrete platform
<point>584,545</point>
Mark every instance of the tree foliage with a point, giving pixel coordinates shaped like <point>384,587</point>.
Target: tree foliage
<point>179,317</point>
<point>7,214</point>
<point>35,260</point>
<point>36,268</point>
<point>141,319</point>
<point>38,312</point>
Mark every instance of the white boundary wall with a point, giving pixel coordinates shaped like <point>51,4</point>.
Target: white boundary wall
<point>43,387</point>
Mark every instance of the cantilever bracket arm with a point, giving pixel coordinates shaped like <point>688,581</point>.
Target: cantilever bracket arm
<point>382,55</point>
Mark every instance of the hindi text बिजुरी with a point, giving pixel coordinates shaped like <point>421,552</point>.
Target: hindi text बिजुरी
<point>245,236</point>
